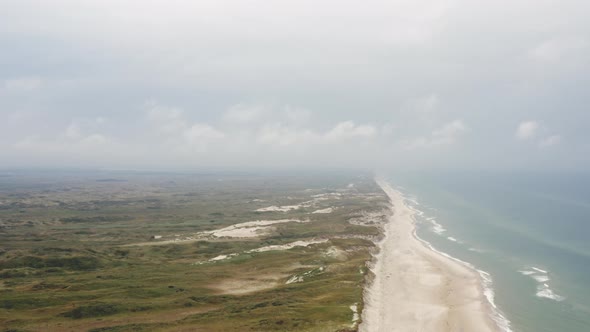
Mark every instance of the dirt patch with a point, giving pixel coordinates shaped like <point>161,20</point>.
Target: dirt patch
<point>249,285</point>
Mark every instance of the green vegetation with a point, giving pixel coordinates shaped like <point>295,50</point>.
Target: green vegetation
<point>119,252</point>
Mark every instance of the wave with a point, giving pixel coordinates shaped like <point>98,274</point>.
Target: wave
<point>543,290</point>
<point>437,228</point>
<point>527,273</point>
<point>541,277</point>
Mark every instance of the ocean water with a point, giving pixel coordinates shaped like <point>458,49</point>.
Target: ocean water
<point>530,232</point>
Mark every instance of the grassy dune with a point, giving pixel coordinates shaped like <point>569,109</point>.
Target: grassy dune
<point>78,253</point>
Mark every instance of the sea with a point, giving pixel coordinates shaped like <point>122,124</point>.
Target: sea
<point>527,233</point>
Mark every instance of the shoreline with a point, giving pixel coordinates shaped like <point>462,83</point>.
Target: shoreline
<point>417,288</point>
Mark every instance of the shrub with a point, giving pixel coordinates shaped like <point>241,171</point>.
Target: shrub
<point>92,310</point>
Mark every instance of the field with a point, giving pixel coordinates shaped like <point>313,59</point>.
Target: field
<point>120,251</point>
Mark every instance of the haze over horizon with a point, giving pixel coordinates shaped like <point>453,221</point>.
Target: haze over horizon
<point>450,84</point>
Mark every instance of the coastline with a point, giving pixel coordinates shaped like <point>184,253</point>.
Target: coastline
<point>416,287</point>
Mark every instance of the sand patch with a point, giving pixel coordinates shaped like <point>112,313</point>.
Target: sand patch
<point>286,208</point>
<point>374,218</point>
<point>336,253</point>
<point>301,277</point>
<point>249,229</point>
<point>283,208</point>
<point>288,245</point>
<point>315,199</point>
<point>248,285</point>
<point>326,196</point>
<point>327,210</point>
<point>355,315</point>
<point>264,249</point>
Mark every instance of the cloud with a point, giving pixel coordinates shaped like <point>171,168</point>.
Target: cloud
<point>282,135</point>
<point>243,113</point>
<point>556,49</point>
<point>72,131</point>
<point>426,104</point>
<point>449,132</point>
<point>550,141</point>
<point>166,120</point>
<point>343,132</point>
<point>22,84</point>
<point>348,129</point>
<point>199,132</point>
<point>178,133</point>
<point>527,130</point>
<point>331,79</point>
<point>89,145</point>
<point>296,114</point>
<point>444,135</point>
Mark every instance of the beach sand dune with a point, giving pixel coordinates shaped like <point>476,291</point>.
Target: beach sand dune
<point>417,289</point>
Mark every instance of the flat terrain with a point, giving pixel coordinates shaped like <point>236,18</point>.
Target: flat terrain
<point>117,251</point>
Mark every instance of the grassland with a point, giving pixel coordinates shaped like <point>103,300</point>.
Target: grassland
<point>133,251</point>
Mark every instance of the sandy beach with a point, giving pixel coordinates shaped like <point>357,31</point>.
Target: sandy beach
<point>418,289</point>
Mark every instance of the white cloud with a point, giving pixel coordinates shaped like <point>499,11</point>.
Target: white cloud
<point>398,69</point>
<point>200,132</point>
<point>72,131</point>
<point>178,133</point>
<point>527,130</point>
<point>445,135</point>
<point>348,129</point>
<point>166,120</point>
<point>94,140</point>
<point>550,141</point>
<point>22,84</point>
<point>283,134</point>
<point>426,104</point>
<point>296,115</point>
<point>243,113</point>
<point>84,145</point>
<point>556,49</point>
<point>279,134</point>
<point>449,131</point>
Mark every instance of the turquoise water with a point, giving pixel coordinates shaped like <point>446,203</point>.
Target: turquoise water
<point>531,232</point>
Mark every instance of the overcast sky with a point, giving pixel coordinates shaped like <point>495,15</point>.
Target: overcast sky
<point>447,84</point>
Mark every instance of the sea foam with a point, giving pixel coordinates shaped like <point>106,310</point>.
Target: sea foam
<point>436,227</point>
<point>541,277</point>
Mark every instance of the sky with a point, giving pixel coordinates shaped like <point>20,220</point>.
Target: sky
<point>405,84</point>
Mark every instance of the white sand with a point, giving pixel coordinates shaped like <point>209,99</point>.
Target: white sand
<point>327,210</point>
<point>222,257</point>
<point>249,229</point>
<point>268,248</point>
<point>289,245</point>
<point>301,277</point>
<point>418,289</point>
<point>274,208</point>
<point>355,315</point>
<point>286,208</point>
